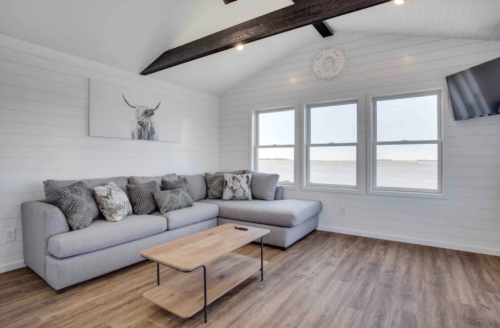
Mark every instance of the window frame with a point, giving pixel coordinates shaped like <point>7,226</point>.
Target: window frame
<point>305,184</point>
<point>256,146</point>
<point>372,187</point>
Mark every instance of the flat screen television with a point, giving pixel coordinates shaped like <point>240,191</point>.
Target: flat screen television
<point>475,92</point>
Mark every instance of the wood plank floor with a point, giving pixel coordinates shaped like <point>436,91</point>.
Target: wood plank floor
<point>325,280</point>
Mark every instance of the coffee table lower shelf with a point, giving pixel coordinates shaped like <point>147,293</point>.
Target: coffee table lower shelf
<point>183,294</point>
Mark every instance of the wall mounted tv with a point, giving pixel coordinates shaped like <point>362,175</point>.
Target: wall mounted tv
<point>475,92</point>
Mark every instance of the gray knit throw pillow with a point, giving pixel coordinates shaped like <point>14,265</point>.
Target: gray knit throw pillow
<point>171,200</point>
<point>142,197</point>
<point>215,185</point>
<point>176,184</point>
<point>78,205</point>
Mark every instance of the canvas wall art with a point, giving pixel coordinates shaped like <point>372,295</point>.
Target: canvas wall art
<point>118,111</point>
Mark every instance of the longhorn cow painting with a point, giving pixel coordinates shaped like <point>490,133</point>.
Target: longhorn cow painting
<point>122,112</point>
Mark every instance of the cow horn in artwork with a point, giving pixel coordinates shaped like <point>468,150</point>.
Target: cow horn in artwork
<point>128,103</point>
<point>157,106</point>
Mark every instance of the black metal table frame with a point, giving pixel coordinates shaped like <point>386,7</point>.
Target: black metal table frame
<point>205,273</point>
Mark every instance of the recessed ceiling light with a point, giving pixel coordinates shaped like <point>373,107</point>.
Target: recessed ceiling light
<point>399,2</point>
<point>240,47</point>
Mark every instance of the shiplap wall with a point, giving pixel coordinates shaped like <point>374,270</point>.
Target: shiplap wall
<point>469,217</point>
<point>44,131</point>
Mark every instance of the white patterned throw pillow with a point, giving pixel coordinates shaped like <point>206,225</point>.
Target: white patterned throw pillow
<point>112,201</point>
<point>237,187</point>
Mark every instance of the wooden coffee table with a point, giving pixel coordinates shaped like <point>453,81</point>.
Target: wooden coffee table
<point>186,294</point>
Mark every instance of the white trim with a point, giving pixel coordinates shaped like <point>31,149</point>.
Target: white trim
<point>418,241</point>
<point>12,266</point>
<point>305,134</point>
<point>371,129</point>
<point>333,189</point>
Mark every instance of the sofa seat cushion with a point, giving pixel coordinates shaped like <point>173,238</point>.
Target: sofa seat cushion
<point>280,213</point>
<point>103,234</point>
<point>190,215</point>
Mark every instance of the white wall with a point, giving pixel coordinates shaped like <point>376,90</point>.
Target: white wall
<point>44,132</point>
<point>468,219</point>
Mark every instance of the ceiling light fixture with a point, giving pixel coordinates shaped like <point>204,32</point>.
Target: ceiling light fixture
<point>399,2</point>
<point>240,47</point>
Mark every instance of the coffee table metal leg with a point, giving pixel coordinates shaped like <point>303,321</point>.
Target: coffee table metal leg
<point>262,259</point>
<point>158,272</point>
<point>205,291</point>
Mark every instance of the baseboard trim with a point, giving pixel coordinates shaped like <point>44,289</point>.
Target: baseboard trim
<point>11,266</point>
<point>425,242</point>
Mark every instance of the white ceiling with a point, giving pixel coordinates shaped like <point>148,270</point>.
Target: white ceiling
<point>459,19</point>
<point>130,34</point>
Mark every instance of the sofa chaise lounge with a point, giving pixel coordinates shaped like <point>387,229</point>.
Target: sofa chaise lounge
<point>64,258</point>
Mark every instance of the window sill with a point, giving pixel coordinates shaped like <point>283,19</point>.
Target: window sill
<point>408,194</point>
<point>332,190</point>
<point>290,186</point>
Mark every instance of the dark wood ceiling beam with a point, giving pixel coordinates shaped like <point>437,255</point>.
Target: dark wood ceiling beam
<point>322,27</point>
<point>279,21</point>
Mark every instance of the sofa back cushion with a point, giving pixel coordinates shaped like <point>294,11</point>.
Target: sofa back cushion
<point>238,172</point>
<point>197,186</point>
<point>53,186</point>
<point>263,185</point>
<point>133,180</point>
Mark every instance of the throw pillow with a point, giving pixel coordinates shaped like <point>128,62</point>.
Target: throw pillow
<point>78,205</point>
<point>237,187</point>
<point>171,200</point>
<point>142,197</point>
<point>176,184</point>
<point>215,186</point>
<point>112,201</point>
<point>263,185</point>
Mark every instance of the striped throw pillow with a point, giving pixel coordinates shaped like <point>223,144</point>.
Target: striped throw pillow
<point>142,197</point>
<point>176,184</point>
<point>171,200</point>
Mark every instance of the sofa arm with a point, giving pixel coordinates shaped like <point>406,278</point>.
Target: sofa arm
<point>40,222</point>
<point>280,193</point>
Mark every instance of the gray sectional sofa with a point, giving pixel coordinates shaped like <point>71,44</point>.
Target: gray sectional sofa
<point>64,257</point>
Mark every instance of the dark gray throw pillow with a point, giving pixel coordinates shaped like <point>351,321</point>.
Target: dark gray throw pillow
<point>142,197</point>
<point>171,200</point>
<point>78,205</point>
<point>176,184</point>
<point>263,185</point>
<point>215,186</point>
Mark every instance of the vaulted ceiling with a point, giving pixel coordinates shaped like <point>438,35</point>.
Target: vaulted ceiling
<point>130,34</point>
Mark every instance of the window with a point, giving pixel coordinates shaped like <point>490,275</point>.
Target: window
<point>332,145</point>
<point>275,143</point>
<point>406,143</point>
